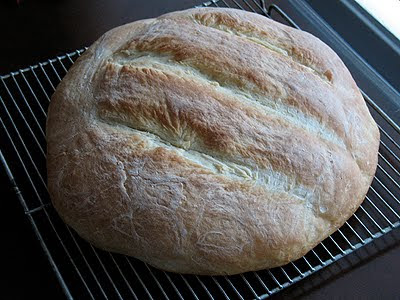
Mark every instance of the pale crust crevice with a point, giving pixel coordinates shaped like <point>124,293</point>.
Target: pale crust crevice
<point>165,63</point>
<point>286,53</point>
<point>278,181</point>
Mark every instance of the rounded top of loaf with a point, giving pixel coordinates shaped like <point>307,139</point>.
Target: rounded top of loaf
<point>209,141</point>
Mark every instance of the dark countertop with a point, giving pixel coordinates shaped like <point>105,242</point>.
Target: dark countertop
<point>37,30</point>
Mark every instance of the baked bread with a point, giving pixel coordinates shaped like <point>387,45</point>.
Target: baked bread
<point>209,141</point>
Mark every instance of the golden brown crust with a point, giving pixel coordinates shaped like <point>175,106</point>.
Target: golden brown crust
<point>209,141</point>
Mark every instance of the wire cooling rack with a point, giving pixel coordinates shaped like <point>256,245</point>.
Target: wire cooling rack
<point>91,273</point>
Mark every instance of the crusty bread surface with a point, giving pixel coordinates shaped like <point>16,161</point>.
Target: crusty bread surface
<point>209,141</point>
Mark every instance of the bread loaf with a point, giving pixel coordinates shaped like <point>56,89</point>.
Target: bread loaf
<point>209,141</point>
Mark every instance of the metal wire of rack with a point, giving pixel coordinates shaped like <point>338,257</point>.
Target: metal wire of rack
<point>88,272</point>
